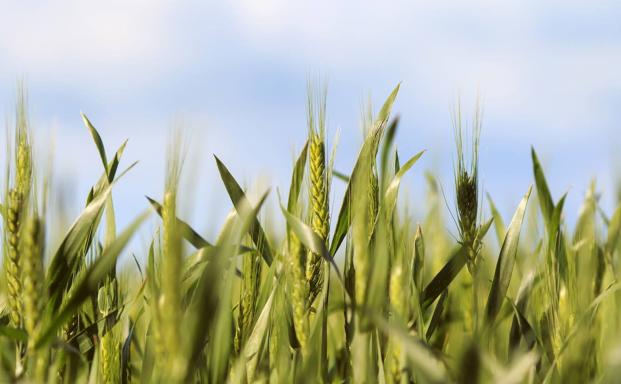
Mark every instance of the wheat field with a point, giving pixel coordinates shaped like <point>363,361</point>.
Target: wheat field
<point>353,289</point>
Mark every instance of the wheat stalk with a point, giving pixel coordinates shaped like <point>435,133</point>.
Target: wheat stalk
<point>391,316</point>
<point>170,305</point>
<point>320,221</point>
<point>32,272</point>
<point>16,207</point>
<point>397,297</point>
<point>108,345</point>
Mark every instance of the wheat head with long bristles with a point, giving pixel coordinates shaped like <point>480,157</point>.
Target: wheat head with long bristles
<point>467,185</point>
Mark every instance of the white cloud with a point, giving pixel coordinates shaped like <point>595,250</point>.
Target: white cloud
<point>545,70</point>
<point>520,55</point>
<point>91,41</point>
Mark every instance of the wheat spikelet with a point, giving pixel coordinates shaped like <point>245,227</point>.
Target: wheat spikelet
<point>299,289</point>
<point>319,187</point>
<point>32,273</point>
<point>109,358</point>
<point>11,262</point>
<point>23,153</point>
<point>319,211</point>
<point>251,281</point>
<point>467,187</point>
<point>467,204</point>
<point>23,165</point>
<point>16,206</point>
<point>105,359</point>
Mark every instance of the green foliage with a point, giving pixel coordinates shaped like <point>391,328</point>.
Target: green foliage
<point>370,295</point>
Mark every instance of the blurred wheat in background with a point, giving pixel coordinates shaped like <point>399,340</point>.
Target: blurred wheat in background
<point>351,289</point>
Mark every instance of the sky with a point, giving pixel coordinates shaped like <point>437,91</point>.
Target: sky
<point>233,76</point>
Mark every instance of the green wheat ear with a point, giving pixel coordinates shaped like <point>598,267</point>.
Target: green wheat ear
<point>32,273</point>
<point>320,221</point>
<point>249,292</point>
<point>17,205</point>
<point>467,184</point>
<point>11,262</point>
<point>299,290</point>
<point>170,304</point>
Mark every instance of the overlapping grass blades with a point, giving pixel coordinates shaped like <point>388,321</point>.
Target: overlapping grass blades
<point>392,304</point>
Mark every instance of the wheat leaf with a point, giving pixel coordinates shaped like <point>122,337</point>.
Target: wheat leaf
<point>506,260</point>
<point>238,197</point>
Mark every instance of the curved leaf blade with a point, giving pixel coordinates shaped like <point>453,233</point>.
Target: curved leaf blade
<point>390,195</point>
<point>543,192</point>
<point>506,260</point>
<point>238,197</point>
<point>296,179</point>
<point>88,282</point>
<point>369,150</point>
<point>445,277</point>
<point>185,229</point>
<point>310,240</point>
<point>98,142</point>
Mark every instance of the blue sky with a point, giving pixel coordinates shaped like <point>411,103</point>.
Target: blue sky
<point>234,75</point>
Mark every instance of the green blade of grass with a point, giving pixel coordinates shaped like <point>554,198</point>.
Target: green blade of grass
<point>106,178</point>
<point>393,188</point>
<point>498,222</point>
<point>204,302</point>
<point>506,261</point>
<point>421,358</point>
<point>185,229</point>
<point>311,240</point>
<point>78,238</point>
<point>238,197</point>
<point>445,277</point>
<point>296,179</point>
<point>384,112</point>
<point>126,355</point>
<point>88,282</point>
<point>524,329</point>
<point>387,144</point>
<point>244,369</point>
<point>98,142</point>
<point>614,230</point>
<point>517,329</point>
<point>15,334</point>
<point>369,150</point>
<point>578,323</point>
<point>436,316</point>
<point>543,192</point>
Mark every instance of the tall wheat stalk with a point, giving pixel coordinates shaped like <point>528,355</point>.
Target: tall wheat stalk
<point>170,304</point>
<point>319,187</point>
